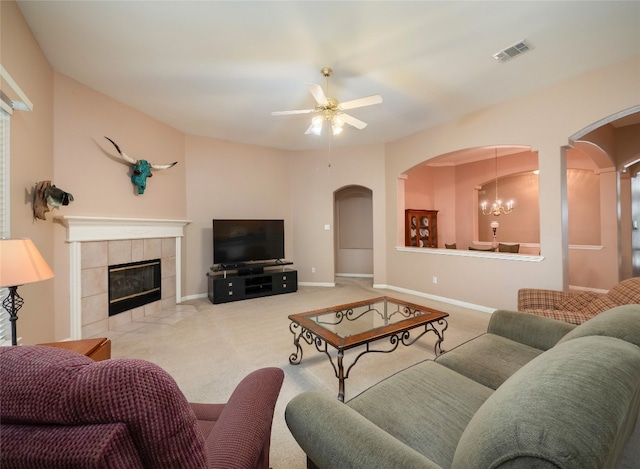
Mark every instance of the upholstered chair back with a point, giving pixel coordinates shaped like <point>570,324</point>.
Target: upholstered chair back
<point>54,395</point>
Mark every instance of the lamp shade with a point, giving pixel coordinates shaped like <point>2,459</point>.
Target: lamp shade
<point>21,262</point>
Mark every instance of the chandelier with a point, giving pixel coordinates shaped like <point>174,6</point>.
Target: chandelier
<point>496,208</point>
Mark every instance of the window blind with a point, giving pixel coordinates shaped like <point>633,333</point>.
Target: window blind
<point>4,214</point>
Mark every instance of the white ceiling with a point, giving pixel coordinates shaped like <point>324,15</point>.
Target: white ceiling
<point>218,68</point>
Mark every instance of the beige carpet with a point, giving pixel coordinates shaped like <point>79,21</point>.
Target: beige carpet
<point>209,348</point>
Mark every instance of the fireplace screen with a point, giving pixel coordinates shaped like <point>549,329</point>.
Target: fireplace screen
<point>133,285</point>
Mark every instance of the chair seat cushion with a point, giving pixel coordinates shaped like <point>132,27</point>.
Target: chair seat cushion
<point>572,317</point>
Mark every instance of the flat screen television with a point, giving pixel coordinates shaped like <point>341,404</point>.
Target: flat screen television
<point>241,241</point>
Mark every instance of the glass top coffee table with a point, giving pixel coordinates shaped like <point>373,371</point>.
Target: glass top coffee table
<point>361,324</point>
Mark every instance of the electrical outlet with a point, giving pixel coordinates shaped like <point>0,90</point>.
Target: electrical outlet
<point>313,270</point>
<point>435,279</point>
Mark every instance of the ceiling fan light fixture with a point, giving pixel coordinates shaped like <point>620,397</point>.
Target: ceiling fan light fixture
<point>337,124</point>
<point>330,109</point>
<point>316,125</point>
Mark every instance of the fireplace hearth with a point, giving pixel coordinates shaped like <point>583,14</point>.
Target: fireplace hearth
<point>133,284</point>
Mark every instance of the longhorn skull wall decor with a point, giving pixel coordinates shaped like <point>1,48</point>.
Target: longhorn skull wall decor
<point>141,168</point>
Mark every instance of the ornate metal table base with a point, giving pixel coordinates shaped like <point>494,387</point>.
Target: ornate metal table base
<point>317,332</point>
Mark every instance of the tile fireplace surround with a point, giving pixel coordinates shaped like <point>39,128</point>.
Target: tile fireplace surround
<point>97,242</point>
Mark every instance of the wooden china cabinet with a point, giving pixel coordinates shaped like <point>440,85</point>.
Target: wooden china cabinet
<point>421,228</point>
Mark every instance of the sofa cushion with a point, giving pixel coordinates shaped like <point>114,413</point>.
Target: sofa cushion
<point>626,292</point>
<point>622,322</point>
<point>577,301</point>
<point>488,359</point>
<point>426,406</point>
<point>559,410</point>
<point>335,436</point>
<point>528,329</point>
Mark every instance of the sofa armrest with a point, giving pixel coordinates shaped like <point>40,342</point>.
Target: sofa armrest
<point>528,329</point>
<point>537,298</point>
<point>334,435</point>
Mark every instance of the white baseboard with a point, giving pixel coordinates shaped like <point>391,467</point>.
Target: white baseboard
<point>595,290</point>
<point>195,297</point>
<point>355,275</point>
<point>317,284</point>
<point>443,299</point>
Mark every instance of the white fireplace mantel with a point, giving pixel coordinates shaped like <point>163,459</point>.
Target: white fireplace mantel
<point>107,228</point>
<point>85,229</point>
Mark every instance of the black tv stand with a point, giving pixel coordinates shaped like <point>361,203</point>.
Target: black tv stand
<point>250,270</point>
<point>232,266</point>
<point>250,280</point>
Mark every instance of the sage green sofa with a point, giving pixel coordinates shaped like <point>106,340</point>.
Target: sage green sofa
<point>532,392</point>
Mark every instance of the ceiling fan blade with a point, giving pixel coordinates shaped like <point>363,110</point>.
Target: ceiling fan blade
<point>309,130</point>
<point>286,113</point>
<point>357,123</point>
<point>361,102</point>
<point>318,94</point>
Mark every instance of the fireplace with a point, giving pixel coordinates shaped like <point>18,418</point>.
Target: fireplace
<point>97,242</point>
<point>133,284</point>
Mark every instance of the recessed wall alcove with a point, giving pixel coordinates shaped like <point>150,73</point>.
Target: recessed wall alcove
<point>97,242</point>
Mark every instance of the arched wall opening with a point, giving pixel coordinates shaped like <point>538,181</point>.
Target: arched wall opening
<point>606,156</point>
<point>457,183</point>
<point>353,222</point>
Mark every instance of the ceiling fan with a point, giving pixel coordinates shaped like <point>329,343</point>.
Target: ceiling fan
<point>330,109</point>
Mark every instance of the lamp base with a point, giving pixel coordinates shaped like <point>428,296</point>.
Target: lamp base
<point>12,303</point>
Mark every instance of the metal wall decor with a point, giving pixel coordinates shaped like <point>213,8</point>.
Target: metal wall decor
<point>141,168</point>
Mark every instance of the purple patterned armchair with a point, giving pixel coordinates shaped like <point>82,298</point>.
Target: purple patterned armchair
<point>61,409</point>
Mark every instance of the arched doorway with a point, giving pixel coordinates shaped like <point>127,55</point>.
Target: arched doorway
<point>353,222</point>
<point>613,148</point>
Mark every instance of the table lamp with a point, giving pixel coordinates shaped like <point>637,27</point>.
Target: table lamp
<point>20,263</point>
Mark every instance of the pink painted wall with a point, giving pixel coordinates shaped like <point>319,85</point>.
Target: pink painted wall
<point>313,184</point>
<point>544,121</point>
<point>31,161</point>
<point>231,180</point>
<point>87,166</point>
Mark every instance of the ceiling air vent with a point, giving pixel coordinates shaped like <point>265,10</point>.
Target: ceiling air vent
<point>513,51</point>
